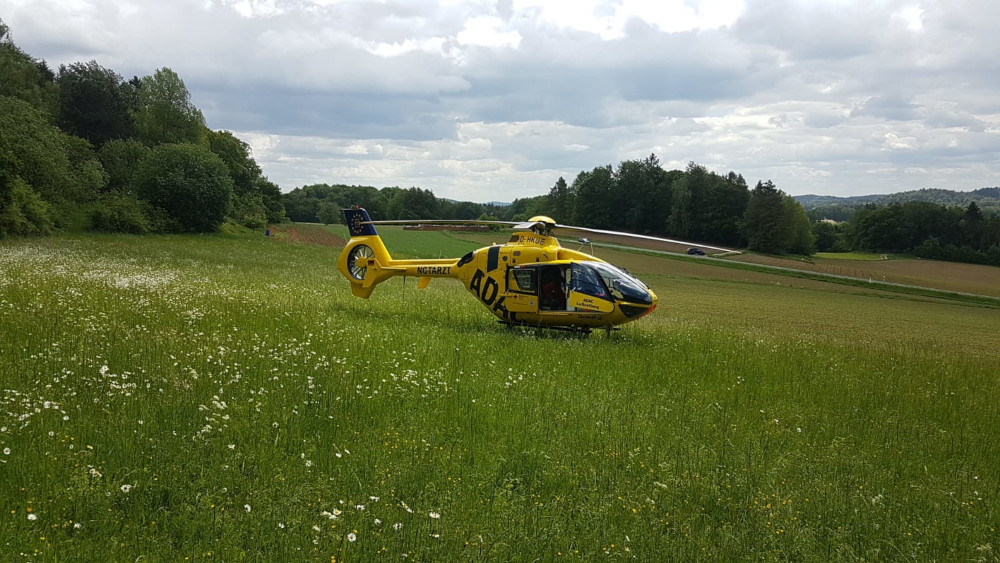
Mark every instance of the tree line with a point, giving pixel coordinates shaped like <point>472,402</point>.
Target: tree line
<point>637,196</point>
<point>927,230</point>
<point>83,148</point>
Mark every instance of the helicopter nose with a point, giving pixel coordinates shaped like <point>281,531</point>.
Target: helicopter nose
<point>638,309</point>
<point>652,302</point>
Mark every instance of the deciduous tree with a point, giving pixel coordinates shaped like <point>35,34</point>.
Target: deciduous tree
<point>560,200</point>
<point>189,182</point>
<point>121,158</point>
<point>765,230</point>
<point>594,204</point>
<point>165,113</point>
<point>25,78</point>
<point>93,103</point>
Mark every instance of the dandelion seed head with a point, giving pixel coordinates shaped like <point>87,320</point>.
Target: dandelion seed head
<point>32,517</point>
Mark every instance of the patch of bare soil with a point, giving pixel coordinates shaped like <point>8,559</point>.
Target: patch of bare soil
<point>305,234</point>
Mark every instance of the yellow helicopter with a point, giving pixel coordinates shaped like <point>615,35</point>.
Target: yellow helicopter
<point>530,280</point>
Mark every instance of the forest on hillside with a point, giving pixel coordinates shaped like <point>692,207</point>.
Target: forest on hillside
<point>841,208</point>
<point>82,148</point>
<point>639,196</point>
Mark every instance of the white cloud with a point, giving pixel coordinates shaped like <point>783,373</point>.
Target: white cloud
<point>487,31</point>
<point>912,17</point>
<point>610,19</point>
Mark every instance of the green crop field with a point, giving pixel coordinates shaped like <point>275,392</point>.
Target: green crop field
<point>225,397</point>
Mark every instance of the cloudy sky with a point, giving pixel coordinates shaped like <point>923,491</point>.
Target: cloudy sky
<point>487,100</point>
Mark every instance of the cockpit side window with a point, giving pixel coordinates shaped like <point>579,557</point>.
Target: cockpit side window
<point>623,286</point>
<point>585,280</point>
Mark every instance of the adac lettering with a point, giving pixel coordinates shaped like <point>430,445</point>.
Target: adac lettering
<point>487,289</point>
<point>501,310</point>
<point>433,270</point>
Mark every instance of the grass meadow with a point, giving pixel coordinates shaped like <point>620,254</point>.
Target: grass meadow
<point>225,397</point>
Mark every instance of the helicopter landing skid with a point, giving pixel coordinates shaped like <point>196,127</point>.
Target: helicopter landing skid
<point>581,330</point>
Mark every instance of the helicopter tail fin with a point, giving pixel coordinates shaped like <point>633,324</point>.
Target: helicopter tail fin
<point>359,223</point>
<point>365,261</point>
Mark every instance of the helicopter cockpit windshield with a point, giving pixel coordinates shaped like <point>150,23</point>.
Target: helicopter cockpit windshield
<point>622,285</point>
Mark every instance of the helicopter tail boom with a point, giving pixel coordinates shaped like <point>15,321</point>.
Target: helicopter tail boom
<point>366,262</point>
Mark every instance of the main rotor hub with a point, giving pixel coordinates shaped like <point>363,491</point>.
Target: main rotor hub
<point>542,225</point>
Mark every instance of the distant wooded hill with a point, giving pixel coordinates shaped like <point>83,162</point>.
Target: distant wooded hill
<point>840,208</point>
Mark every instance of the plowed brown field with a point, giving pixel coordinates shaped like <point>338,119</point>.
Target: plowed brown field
<point>306,234</point>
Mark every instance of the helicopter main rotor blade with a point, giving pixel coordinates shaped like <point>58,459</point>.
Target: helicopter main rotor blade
<point>529,226</point>
<point>440,222</point>
<point>545,227</point>
<point>641,237</point>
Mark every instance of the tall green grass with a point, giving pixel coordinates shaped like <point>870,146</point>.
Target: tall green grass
<point>226,397</point>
